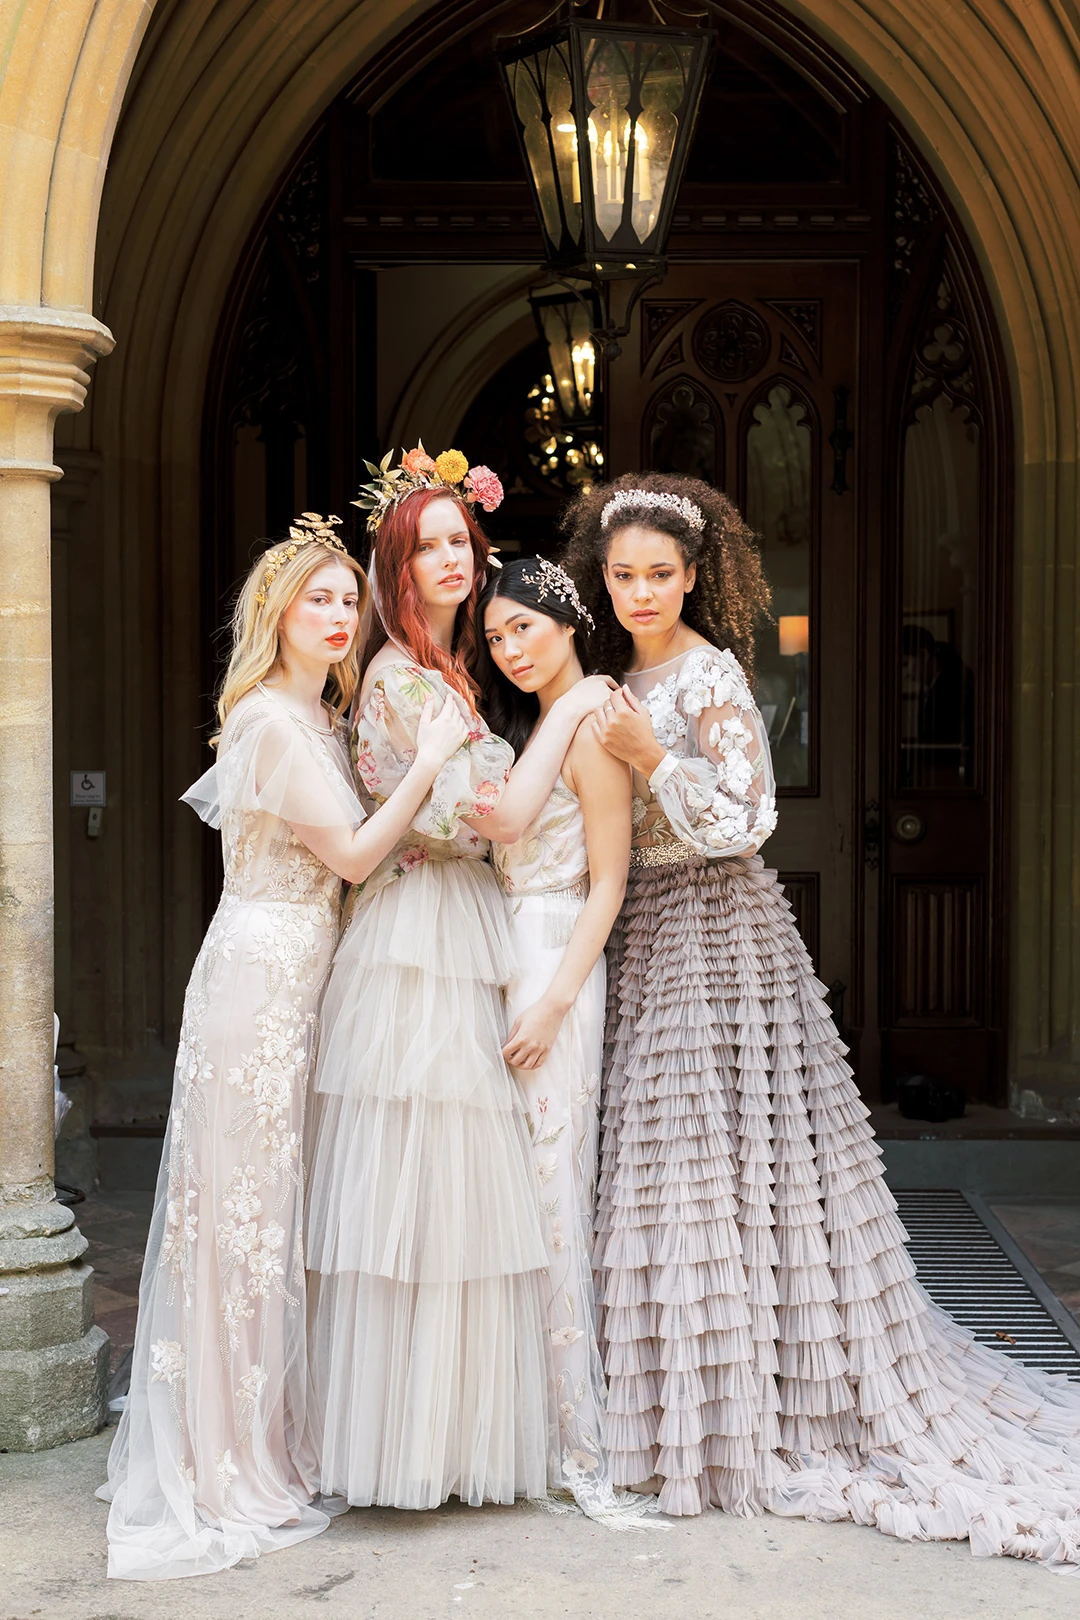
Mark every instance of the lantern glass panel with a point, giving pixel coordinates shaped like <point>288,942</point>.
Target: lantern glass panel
<point>565,325</point>
<point>542,94</point>
<point>636,88</point>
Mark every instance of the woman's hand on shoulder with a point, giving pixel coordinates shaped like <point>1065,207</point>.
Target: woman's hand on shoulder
<point>586,696</point>
<point>440,735</point>
<point>589,764</point>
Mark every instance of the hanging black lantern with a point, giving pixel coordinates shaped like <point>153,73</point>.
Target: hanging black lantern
<point>605,114</point>
<point>566,322</point>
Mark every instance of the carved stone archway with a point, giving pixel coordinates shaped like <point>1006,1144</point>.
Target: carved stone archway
<point>218,100</point>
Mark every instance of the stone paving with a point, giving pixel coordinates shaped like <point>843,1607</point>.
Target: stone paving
<point>505,1563</point>
<point>1048,1231</point>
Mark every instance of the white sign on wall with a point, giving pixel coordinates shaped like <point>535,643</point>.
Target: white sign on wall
<point>88,787</point>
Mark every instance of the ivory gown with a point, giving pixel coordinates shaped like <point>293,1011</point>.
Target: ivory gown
<point>545,877</point>
<point>765,1339</point>
<point>210,1463</point>
<point>428,1347</point>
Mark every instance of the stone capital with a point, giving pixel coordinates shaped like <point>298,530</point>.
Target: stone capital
<point>45,356</point>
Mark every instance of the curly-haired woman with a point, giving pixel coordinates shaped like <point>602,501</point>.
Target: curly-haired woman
<point>767,1345</point>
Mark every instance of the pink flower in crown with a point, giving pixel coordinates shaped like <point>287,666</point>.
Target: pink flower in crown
<point>484,486</point>
<point>418,462</point>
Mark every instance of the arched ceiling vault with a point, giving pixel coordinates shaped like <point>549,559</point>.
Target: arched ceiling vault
<point>221,96</point>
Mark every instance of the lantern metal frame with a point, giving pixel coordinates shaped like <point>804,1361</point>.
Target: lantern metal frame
<point>588,253</point>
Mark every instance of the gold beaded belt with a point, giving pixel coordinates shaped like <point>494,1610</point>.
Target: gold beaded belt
<point>669,854</point>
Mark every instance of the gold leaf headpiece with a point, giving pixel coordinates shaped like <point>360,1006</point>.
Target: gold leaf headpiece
<point>303,531</point>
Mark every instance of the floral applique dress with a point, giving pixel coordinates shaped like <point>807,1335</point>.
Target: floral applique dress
<point>766,1342</point>
<point>428,1337</point>
<point>211,1463</point>
<point>545,877</point>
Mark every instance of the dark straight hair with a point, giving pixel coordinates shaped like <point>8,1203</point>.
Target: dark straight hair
<point>510,712</point>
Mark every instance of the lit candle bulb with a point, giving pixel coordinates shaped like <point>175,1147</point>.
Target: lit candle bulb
<point>569,129</point>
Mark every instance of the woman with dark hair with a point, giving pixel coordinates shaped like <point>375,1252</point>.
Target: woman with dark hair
<point>564,879</point>
<point>766,1342</point>
<point>428,1346</point>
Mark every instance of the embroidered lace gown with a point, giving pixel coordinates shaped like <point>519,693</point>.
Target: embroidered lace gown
<point>210,1463</point>
<point>765,1339</point>
<point>545,877</point>
<point>428,1343</point>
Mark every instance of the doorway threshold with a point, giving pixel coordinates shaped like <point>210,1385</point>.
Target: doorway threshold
<point>979,1122</point>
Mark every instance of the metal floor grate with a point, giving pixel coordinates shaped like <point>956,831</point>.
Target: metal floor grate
<point>972,1268</point>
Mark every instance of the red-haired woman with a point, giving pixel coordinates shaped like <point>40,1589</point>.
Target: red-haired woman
<point>428,1333</point>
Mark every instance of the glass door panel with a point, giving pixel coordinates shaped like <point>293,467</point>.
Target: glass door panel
<point>940,549</point>
<point>780,459</point>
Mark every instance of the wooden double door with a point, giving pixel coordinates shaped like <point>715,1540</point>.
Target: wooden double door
<point>871,512</point>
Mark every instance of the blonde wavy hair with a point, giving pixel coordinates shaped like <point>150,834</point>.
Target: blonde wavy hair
<point>256,651</point>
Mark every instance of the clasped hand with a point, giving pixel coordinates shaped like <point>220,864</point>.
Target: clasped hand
<point>625,730</point>
<point>533,1035</point>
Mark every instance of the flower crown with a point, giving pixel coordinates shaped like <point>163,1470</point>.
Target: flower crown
<point>553,580</point>
<point>418,470</point>
<point>637,498</point>
<point>303,531</point>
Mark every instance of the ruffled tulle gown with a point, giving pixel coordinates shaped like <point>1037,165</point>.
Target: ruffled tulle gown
<point>428,1341</point>
<point>545,877</point>
<point>211,1462</point>
<point>766,1343</point>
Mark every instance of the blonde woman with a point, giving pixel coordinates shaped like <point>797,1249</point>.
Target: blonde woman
<point>211,1463</point>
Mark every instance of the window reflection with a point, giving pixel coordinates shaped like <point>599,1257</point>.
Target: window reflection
<point>940,597</point>
<point>779,493</point>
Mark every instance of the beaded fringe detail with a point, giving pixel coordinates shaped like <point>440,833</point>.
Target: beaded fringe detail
<point>766,1343</point>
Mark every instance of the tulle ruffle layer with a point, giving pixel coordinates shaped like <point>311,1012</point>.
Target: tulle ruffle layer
<point>427,1335</point>
<point>420,1169</point>
<point>430,1390</point>
<point>766,1343</point>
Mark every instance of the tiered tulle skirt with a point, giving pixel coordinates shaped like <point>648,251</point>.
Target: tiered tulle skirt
<point>766,1343</point>
<point>427,1342</point>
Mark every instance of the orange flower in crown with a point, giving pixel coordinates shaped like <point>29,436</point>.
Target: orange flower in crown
<point>417,470</point>
<point>417,462</point>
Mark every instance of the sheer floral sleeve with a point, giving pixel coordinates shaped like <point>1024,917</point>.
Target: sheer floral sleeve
<point>269,763</point>
<point>715,785</point>
<point>384,746</point>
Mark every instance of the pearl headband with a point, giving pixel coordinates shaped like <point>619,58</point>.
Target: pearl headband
<point>637,498</point>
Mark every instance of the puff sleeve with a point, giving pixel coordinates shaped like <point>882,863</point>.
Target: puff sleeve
<point>384,746</point>
<point>719,794</point>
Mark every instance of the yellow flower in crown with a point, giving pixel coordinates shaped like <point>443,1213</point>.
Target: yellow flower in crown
<point>451,466</point>
<point>476,486</point>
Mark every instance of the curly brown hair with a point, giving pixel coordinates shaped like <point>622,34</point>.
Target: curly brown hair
<point>731,595</point>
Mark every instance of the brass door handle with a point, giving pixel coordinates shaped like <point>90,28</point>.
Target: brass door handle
<point>909,827</point>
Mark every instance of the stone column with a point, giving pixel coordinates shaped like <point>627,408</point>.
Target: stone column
<point>53,1360</point>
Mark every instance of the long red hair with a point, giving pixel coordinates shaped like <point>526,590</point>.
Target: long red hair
<point>401,611</point>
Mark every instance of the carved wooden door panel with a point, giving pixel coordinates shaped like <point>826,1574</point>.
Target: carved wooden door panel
<point>745,375</point>
<point>945,668</point>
